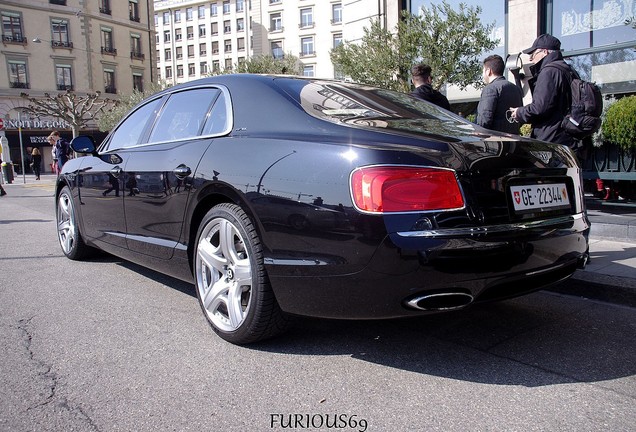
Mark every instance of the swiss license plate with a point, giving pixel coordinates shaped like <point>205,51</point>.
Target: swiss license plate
<point>550,196</point>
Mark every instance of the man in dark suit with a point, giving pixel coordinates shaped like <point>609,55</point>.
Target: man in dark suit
<point>497,97</point>
<point>421,77</point>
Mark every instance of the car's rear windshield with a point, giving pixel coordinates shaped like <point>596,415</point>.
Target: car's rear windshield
<point>371,107</point>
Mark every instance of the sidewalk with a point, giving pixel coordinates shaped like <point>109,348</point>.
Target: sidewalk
<point>609,276</point>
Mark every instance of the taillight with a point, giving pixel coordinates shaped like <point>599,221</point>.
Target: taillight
<point>381,189</point>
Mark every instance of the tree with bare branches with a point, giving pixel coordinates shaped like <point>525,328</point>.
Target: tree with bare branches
<point>77,110</point>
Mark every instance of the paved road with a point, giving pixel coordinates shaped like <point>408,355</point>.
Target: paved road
<point>109,346</point>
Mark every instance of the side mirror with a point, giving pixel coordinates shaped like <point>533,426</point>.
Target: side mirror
<point>83,144</point>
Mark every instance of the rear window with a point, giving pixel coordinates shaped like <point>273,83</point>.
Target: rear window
<point>370,107</point>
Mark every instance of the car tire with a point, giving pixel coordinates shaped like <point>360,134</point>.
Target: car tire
<point>68,232</point>
<point>231,281</point>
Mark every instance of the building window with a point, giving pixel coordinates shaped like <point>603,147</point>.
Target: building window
<point>275,22</point>
<point>201,11</point>
<point>109,81</point>
<point>166,36</point>
<point>275,1</point>
<point>216,67</point>
<point>214,9</point>
<point>190,32</point>
<point>189,14</point>
<point>179,71</point>
<point>308,70</point>
<point>191,69</point>
<point>190,51</point>
<point>59,37</point>
<point>177,16</point>
<point>336,13</point>
<point>215,47</point>
<point>337,39</point>
<point>18,77</point>
<point>179,53</point>
<point>168,71</point>
<point>167,54</point>
<point>133,10</point>
<point>227,27</point>
<point>240,25</point>
<point>104,7</point>
<point>307,46</point>
<point>201,30</point>
<point>240,44</point>
<point>306,17</point>
<point>595,40</point>
<point>203,68</point>
<point>227,46</point>
<point>277,49</point>
<point>138,82</point>
<point>226,7</point>
<point>135,47</point>
<point>215,29</point>
<point>240,5</point>
<point>177,34</point>
<point>108,46</point>
<point>166,18</point>
<point>228,64</point>
<point>203,50</point>
<point>12,28</point>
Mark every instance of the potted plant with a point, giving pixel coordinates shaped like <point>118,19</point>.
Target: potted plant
<point>619,128</point>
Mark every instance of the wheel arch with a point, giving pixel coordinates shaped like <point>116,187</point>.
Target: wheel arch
<point>208,197</point>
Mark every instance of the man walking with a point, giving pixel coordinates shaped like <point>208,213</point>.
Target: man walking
<point>421,77</point>
<point>551,96</point>
<point>497,97</point>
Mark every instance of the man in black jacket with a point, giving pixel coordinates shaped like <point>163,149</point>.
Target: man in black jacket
<point>497,97</point>
<point>421,77</point>
<point>551,97</point>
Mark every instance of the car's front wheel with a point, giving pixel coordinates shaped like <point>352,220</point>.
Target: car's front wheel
<point>232,284</point>
<point>68,232</point>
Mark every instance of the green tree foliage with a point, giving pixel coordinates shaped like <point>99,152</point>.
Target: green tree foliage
<point>75,109</point>
<point>450,41</point>
<point>266,64</point>
<point>619,126</point>
<point>109,119</point>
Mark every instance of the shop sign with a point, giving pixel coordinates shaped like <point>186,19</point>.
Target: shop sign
<point>35,124</point>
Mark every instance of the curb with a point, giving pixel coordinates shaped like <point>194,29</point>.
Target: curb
<point>593,286</point>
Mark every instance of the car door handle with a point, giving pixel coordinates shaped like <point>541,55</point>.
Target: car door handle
<point>115,171</point>
<point>182,171</point>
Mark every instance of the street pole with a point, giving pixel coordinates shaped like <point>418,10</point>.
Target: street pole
<point>21,148</point>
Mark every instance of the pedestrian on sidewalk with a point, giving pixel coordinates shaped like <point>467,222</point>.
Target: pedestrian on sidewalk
<point>36,162</point>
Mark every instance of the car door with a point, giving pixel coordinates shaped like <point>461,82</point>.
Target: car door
<point>100,183</point>
<point>158,175</point>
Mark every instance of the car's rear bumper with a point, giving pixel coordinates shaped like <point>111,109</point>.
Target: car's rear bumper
<point>488,264</point>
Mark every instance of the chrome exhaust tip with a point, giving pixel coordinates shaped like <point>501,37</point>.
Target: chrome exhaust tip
<point>441,301</point>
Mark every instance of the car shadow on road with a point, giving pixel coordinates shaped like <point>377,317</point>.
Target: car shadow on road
<point>537,340</point>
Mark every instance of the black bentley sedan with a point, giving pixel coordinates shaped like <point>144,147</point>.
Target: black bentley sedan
<point>279,196</point>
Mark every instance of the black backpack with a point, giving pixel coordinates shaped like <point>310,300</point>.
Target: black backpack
<point>584,116</point>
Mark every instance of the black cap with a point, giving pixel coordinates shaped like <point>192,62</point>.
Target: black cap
<point>545,41</point>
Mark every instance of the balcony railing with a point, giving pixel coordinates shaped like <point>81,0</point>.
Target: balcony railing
<point>58,2</point>
<point>105,10</point>
<point>18,84</point>
<point>110,89</point>
<point>63,87</point>
<point>307,53</point>
<point>137,55</point>
<point>109,50</point>
<point>276,29</point>
<point>61,44</point>
<point>134,18</point>
<point>15,39</point>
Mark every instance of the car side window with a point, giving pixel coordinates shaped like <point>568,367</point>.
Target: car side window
<point>218,118</point>
<point>129,132</point>
<point>183,115</point>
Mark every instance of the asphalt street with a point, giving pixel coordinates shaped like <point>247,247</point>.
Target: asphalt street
<point>106,345</point>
